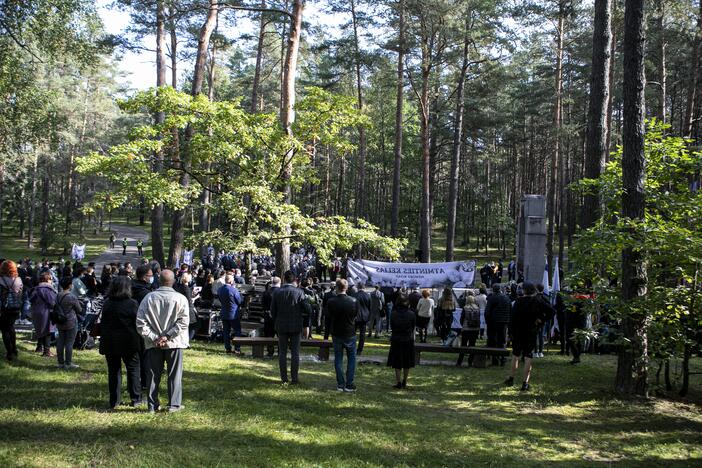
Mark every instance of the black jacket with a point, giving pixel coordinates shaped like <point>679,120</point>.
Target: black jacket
<point>498,308</point>
<point>288,305</point>
<point>529,313</point>
<point>364,304</point>
<point>403,322</point>
<point>118,330</point>
<point>140,289</point>
<point>342,310</point>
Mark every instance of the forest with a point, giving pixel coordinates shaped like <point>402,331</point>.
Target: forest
<point>411,127</point>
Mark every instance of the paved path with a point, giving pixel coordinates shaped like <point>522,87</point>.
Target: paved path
<point>115,255</point>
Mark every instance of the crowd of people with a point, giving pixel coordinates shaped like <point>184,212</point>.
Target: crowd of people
<point>148,317</point>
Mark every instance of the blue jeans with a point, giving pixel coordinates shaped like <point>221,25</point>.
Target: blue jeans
<point>349,345</point>
<point>227,327</point>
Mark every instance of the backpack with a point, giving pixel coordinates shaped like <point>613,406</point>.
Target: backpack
<point>58,315</point>
<point>10,302</point>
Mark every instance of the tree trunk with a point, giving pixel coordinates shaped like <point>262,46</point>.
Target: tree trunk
<point>157,211</point>
<point>425,137</point>
<point>44,233</point>
<point>597,130</point>
<point>259,60</point>
<point>287,117</point>
<point>456,151</point>
<point>395,211</point>
<point>555,155</point>
<point>662,72</point>
<point>32,205</point>
<point>203,43</point>
<point>694,77</point>
<point>360,208</point>
<point>632,365</point>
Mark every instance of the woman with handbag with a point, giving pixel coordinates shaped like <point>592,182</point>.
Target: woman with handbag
<point>10,306</point>
<point>42,300</point>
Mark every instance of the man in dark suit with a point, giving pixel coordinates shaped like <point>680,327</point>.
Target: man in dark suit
<point>288,305</point>
<point>342,312</point>
<point>231,300</point>
<point>364,304</point>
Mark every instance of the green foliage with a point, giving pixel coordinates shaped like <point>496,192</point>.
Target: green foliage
<point>669,239</point>
<point>240,157</point>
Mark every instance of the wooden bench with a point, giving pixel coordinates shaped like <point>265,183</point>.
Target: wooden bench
<point>258,344</point>
<point>480,354</point>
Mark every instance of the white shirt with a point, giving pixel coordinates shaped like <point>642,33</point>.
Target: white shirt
<point>425,307</point>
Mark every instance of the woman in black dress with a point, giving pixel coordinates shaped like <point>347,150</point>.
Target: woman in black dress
<point>401,355</point>
<point>120,341</point>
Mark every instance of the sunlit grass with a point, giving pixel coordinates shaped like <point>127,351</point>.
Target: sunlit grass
<point>237,415</point>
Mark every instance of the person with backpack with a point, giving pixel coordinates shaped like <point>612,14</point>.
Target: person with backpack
<point>65,317</point>
<point>10,306</point>
<point>470,326</point>
<point>43,300</point>
<point>124,246</point>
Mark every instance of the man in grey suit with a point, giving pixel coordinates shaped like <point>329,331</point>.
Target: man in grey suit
<point>162,320</point>
<point>288,305</point>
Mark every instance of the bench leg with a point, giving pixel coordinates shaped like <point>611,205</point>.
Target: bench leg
<point>257,351</point>
<point>480,361</point>
<point>323,354</point>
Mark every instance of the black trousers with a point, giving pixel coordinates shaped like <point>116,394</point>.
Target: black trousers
<point>498,333</point>
<point>114,377</point>
<point>361,328</point>
<point>575,346</point>
<point>9,336</point>
<point>291,340</point>
<point>468,337</point>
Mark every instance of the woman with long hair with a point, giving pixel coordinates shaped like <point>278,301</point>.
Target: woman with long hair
<point>444,315</point>
<point>10,306</point>
<point>425,311</point>
<point>183,287</point>
<point>120,341</point>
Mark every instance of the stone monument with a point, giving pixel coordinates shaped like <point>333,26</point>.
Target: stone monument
<point>531,237</point>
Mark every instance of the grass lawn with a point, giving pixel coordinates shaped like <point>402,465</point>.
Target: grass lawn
<point>237,415</point>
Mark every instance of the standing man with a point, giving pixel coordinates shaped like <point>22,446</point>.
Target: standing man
<point>124,246</point>
<point>266,300</point>
<point>377,309</point>
<point>511,271</point>
<point>343,310</point>
<point>529,314</point>
<point>497,315</point>
<point>112,240</point>
<point>288,305</point>
<point>363,316</point>
<point>140,248</point>
<point>162,320</point>
<point>230,298</point>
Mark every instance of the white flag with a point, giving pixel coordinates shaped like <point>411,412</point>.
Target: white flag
<point>556,283</point>
<point>544,281</point>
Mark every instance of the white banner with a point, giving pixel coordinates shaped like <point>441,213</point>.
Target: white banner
<point>411,275</point>
<point>188,257</point>
<point>78,252</point>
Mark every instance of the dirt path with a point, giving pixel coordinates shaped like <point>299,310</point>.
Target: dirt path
<point>115,255</point>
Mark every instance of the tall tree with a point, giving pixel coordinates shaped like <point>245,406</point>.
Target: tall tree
<point>161,67</point>
<point>199,73</point>
<point>287,118</point>
<point>396,181</point>
<point>632,365</point>
<point>557,108</point>
<point>597,130</point>
<point>457,146</point>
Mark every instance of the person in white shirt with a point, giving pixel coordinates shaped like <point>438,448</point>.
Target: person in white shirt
<point>425,312</point>
<point>481,300</point>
